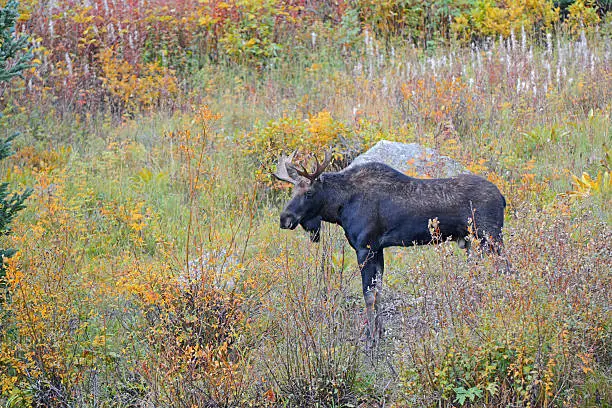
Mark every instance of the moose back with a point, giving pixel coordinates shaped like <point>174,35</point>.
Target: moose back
<point>379,207</point>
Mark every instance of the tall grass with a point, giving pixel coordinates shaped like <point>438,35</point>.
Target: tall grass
<point>152,272</point>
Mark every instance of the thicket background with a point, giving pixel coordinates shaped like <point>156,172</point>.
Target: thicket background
<point>151,270</point>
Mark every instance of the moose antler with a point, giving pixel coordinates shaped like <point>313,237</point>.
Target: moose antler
<point>319,169</point>
<point>285,170</point>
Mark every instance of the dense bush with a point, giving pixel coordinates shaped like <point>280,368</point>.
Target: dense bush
<point>503,340</point>
<point>130,55</point>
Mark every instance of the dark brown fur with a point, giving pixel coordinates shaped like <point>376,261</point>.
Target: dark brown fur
<point>379,207</point>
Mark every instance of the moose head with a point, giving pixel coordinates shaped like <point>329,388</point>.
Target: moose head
<point>308,196</point>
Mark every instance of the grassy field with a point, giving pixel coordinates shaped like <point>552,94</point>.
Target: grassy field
<point>152,272</point>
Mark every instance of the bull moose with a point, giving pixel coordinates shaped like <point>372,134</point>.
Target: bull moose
<point>379,207</point>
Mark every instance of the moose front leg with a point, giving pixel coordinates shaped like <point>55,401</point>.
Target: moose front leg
<point>372,268</point>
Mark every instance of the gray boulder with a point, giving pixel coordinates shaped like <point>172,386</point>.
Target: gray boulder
<point>412,159</point>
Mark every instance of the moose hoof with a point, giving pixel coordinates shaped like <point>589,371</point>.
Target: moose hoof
<point>372,334</point>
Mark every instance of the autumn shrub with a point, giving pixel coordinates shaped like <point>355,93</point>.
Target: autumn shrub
<point>534,337</point>
<point>138,88</point>
<point>582,16</point>
<point>141,45</point>
<point>593,193</point>
<point>316,134</point>
<point>493,19</point>
<point>198,352</point>
<point>315,341</point>
<point>444,103</point>
<point>199,310</point>
<point>423,22</point>
<point>158,45</point>
<point>55,324</point>
<point>122,292</point>
<point>256,37</point>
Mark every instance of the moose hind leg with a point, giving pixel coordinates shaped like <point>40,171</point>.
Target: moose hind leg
<point>370,300</point>
<point>494,246</point>
<point>492,241</point>
<point>378,279</point>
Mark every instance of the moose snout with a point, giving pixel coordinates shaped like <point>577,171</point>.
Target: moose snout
<point>288,220</point>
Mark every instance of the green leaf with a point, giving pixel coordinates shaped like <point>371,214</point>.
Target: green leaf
<point>492,388</point>
<point>461,395</point>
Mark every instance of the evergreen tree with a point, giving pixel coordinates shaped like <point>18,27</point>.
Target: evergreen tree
<point>14,54</point>
<point>14,59</point>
